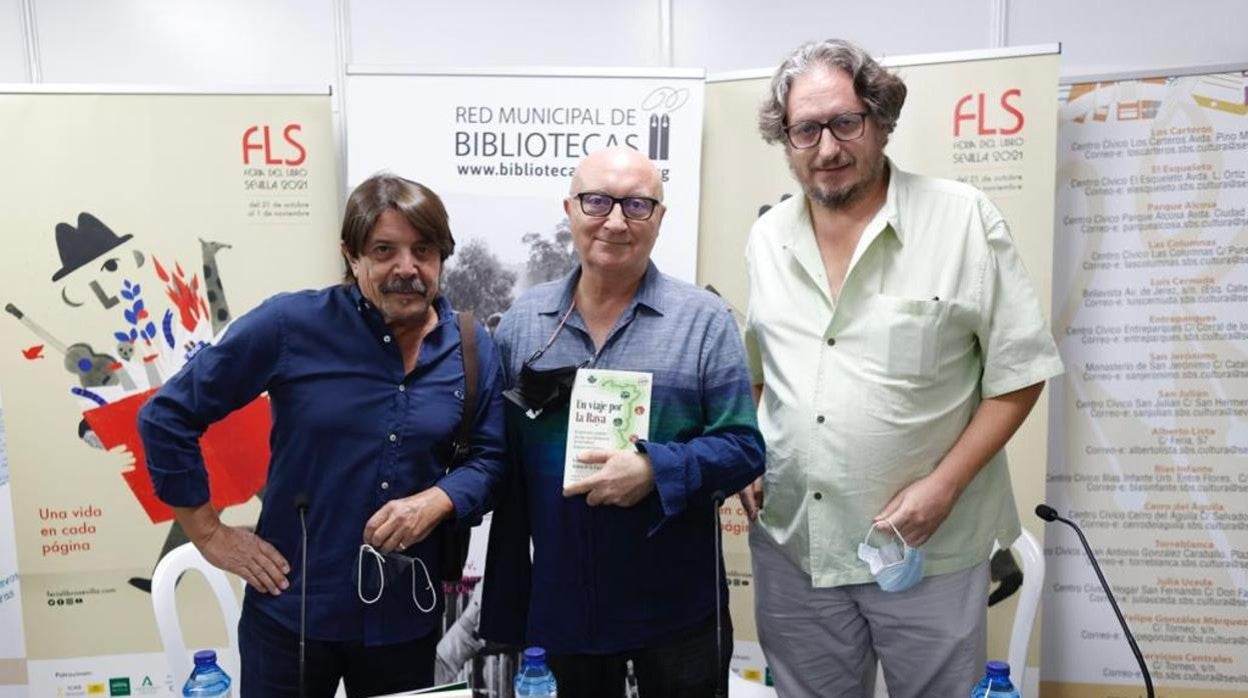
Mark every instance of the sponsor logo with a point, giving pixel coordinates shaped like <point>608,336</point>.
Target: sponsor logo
<point>119,686</point>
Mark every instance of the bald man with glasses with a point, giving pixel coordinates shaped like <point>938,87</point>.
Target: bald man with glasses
<point>623,564</point>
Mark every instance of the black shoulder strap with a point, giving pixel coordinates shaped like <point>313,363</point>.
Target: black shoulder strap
<point>468,348</point>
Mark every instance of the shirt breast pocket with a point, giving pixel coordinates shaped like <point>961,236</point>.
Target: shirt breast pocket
<point>909,331</point>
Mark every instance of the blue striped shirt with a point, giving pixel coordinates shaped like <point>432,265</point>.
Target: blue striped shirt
<point>607,579</point>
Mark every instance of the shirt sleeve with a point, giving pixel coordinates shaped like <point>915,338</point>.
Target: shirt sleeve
<point>218,380</point>
<point>728,454</point>
<point>472,486</point>
<point>1018,347</point>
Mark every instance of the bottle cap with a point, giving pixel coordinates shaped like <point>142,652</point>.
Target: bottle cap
<point>998,669</point>
<point>206,657</point>
<point>534,655</point>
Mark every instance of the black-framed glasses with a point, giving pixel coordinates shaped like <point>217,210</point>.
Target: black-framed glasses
<point>599,205</point>
<point>844,127</point>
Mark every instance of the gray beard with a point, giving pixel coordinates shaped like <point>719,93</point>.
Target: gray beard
<point>836,199</point>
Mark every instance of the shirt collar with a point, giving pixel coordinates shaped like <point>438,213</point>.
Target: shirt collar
<point>357,297</point>
<point>649,293</point>
<point>891,213</point>
<point>888,216</point>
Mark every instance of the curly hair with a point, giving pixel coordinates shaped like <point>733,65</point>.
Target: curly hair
<point>881,91</point>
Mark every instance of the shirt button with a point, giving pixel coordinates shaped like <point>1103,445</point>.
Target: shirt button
<point>402,388</point>
<point>385,485</point>
<point>819,419</point>
<point>818,495</point>
<point>395,437</point>
<point>831,341</point>
<point>386,339</point>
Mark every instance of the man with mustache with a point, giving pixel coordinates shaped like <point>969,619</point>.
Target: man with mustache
<point>895,345</point>
<point>624,561</point>
<point>366,383</point>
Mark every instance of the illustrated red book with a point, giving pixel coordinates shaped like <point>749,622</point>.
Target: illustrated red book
<point>236,451</point>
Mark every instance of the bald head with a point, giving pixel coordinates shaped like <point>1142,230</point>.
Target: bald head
<point>614,247</point>
<point>618,163</point>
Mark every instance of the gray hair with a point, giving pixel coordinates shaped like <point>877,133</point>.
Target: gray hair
<point>882,92</point>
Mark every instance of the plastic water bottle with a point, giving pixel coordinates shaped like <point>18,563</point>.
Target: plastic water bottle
<point>996,683</point>
<point>207,680</point>
<point>534,678</point>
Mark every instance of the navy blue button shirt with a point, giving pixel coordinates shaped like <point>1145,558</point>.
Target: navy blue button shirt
<point>350,430</point>
<point>608,579</point>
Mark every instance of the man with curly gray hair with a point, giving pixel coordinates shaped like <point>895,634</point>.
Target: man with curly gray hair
<point>895,345</point>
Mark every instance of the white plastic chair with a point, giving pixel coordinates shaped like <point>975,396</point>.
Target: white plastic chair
<point>181,559</point>
<point>1031,559</point>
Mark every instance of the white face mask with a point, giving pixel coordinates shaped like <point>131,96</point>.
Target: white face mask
<point>894,568</point>
<point>404,563</point>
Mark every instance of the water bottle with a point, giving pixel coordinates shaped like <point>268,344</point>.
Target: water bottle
<point>534,678</point>
<point>996,683</point>
<point>207,680</point>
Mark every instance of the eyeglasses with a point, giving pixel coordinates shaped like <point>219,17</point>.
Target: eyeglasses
<point>844,127</point>
<point>599,205</point>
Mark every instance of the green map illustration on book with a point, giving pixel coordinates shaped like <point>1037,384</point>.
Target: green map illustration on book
<point>609,410</point>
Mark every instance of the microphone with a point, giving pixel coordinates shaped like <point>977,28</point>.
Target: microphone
<point>301,505</point>
<point>1049,514</point>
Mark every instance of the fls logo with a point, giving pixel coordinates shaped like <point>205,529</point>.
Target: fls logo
<point>1008,119</point>
<point>258,138</point>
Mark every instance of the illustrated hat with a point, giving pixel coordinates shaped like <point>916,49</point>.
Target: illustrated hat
<point>80,245</point>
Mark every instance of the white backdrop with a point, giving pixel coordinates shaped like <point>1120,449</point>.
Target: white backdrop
<point>296,42</point>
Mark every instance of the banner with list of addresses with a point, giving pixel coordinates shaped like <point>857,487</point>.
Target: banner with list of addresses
<point>982,117</point>
<point>1149,449</point>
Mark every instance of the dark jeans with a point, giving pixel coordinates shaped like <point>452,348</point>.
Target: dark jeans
<point>682,666</point>
<point>269,654</point>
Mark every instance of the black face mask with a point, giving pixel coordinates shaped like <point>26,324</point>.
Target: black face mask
<point>537,389</point>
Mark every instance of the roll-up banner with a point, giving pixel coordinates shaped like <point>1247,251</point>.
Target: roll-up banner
<point>987,118</point>
<point>136,224</point>
<point>1149,448</point>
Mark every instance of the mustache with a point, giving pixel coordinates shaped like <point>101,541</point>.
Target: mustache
<point>836,161</point>
<point>410,285</point>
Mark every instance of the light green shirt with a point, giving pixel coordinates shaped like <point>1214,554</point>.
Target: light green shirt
<point>865,395</point>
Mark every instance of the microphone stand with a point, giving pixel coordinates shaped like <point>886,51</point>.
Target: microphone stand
<point>1050,514</point>
<point>716,499</point>
<point>301,504</point>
